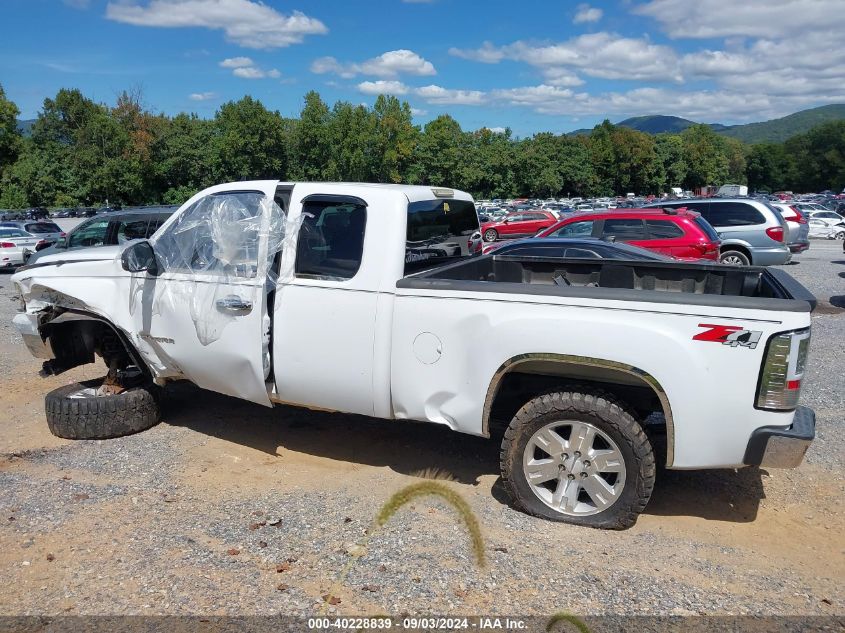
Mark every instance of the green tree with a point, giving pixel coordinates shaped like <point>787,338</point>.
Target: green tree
<point>311,143</point>
<point>670,152</point>
<point>395,139</point>
<point>704,155</point>
<point>10,138</point>
<point>248,142</point>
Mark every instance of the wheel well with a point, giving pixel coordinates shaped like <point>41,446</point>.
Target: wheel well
<point>76,338</point>
<point>522,379</point>
<point>736,247</point>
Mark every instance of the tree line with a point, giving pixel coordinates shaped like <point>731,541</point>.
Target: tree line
<point>81,152</point>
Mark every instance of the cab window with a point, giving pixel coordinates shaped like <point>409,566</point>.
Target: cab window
<point>218,234</point>
<point>331,239</point>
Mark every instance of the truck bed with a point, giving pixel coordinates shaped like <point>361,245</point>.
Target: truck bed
<point>712,284</point>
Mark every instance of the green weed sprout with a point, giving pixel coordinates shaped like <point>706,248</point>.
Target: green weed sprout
<point>403,497</point>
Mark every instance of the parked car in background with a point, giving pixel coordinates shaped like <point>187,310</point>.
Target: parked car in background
<point>16,245</point>
<point>752,231</point>
<point>579,248</point>
<point>519,224</point>
<point>107,230</point>
<point>825,229</point>
<point>48,232</point>
<point>798,239</point>
<point>829,217</point>
<point>36,213</point>
<point>676,233</point>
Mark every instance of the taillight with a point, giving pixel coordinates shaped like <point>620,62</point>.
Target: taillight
<point>783,370</point>
<point>776,233</point>
<point>799,217</point>
<point>7,245</point>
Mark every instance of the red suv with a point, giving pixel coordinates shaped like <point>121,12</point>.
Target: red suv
<point>519,224</point>
<point>678,233</point>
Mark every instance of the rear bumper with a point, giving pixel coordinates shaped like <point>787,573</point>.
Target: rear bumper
<point>770,256</point>
<point>799,247</point>
<point>779,447</point>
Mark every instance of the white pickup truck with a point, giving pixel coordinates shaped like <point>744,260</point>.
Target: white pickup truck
<point>375,300</point>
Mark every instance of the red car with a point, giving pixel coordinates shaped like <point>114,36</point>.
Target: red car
<point>519,224</point>
<point>678,233</point>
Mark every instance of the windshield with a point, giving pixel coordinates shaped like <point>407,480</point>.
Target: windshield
<point>440,229</point>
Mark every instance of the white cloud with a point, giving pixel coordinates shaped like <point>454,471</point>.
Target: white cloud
<point>443,96</point>
<point>604,55</point>
<point>749,18</point>
<point>497,130</point>
<point>557,76</point>
<point>383,87</point>
<point>251,72</point>
<point>202,96</point>
<point>387,65</point>
<point>487,54</point>
<point>245,68</point>
<point>586,13</point>
<point>430,94</point>
<point>237,62</point>
<point>418,111</point>
<point>245,22</point>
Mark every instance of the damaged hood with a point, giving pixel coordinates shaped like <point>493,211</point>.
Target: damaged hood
<point>96,261</point>
<point>82,254</point>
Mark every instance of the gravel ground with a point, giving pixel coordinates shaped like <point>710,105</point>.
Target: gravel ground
<point>231,509</point>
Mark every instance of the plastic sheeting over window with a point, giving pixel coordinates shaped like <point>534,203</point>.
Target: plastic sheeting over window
<point>215,260</point>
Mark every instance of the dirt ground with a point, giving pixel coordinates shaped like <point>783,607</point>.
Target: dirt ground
<point>196,515</point>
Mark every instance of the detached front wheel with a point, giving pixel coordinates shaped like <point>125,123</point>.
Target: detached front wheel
<point>578,457</point>
<point>88,411</point>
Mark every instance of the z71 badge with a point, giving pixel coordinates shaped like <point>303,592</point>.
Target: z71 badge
<point>732,335</point>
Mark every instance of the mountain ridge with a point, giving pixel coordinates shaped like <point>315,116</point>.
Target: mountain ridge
<point>771,131</point>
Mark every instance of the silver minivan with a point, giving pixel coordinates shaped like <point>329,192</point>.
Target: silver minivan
<point>752,232</point>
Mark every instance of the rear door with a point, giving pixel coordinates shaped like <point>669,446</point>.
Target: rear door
<point>327,299</point>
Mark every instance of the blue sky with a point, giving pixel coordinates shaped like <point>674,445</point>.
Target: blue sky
<point>530,65</point>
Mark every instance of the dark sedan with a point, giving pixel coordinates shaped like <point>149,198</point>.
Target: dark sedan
<point>576,248</point>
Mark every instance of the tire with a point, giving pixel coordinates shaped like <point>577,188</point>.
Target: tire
<point>734,258</point>
<point>615,428</point>
<point>839,236</point>
<point>95,417</point>
<point>491,235</point>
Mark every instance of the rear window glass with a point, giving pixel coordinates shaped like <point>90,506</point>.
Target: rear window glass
<point>575,229</point>
<point>12,233</point>
<point>705,226</point>
<point>42,227</point>
<point>624,229</point>
<point>663,229</point>
<point>442,230</point>
<point>724,214</point>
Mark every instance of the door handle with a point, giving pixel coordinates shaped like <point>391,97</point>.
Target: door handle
<point>233,304</point>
